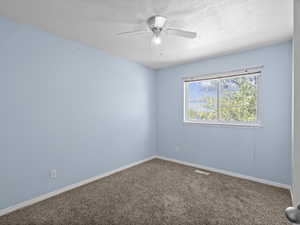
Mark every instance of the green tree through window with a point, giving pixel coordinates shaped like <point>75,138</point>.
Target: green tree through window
<point>232,99</point>
<point>238,99</point>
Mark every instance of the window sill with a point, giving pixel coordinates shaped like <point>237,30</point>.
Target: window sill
<point>220,124</point>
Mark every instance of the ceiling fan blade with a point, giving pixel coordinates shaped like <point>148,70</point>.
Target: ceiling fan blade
<point>133,32</point>
<point>182,33</point>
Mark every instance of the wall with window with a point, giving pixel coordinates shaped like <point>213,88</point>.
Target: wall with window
<point>67,107</point>
<point>262,152</point>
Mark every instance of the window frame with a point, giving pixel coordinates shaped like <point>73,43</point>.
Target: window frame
<point>257,71</point>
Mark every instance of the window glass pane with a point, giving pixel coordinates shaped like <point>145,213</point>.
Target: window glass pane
<point>238,99</point>
<point>202,100</point>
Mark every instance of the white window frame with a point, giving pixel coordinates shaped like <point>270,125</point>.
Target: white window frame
<point>219,76</point>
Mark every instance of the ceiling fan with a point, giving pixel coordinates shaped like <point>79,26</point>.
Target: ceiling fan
<point>157,25</point>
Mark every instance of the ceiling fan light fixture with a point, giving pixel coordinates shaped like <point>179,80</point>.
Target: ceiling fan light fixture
<point>156,39</point>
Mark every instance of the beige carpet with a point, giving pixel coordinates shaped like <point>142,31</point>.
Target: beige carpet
<point>161,192</point>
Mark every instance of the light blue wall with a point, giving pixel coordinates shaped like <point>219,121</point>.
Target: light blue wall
<point>67,107</point>
<point>259,152</point>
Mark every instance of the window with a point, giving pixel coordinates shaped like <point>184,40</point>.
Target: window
<point>230,98</point>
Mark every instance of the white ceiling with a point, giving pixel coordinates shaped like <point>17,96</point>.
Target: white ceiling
<point>223,26</point>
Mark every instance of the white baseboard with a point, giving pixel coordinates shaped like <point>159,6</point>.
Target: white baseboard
<point>67,188</point>
<point>292,196</point>
<point>229,173</point>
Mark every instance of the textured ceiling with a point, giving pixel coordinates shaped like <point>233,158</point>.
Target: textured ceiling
<point>223,26</point>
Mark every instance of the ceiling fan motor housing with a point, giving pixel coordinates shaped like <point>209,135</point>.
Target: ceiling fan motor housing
<point>156,23</point>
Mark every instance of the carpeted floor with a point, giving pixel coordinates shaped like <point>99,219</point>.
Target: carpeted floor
<point>161,193</point>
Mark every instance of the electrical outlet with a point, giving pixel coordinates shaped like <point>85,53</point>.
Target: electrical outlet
<point>177,148</point>
<point>53,174</point>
